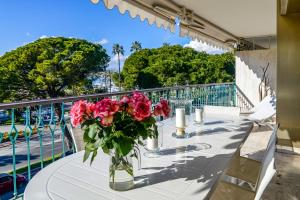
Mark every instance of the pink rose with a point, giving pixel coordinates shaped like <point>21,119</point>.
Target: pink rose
<point>90,107</point>
<point>127,104</point>
<point>158,109</point>
<point>125,100</point>
<point>162,108</point>
<point>80,111</point>
<point>165,108</point>
<point>141,105</point>
<point>142,110</point>
<point>107,121</point>
<point>105,109</point>
<point>139,97</point>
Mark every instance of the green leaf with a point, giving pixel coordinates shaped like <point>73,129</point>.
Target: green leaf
<point>116,146</point>
<point>90,146</point>
<point>119,133</point>
<point>93,130</point>
<point>105,149</point>
<point>86,137</point>
<point>93,156</point>
<point>123,145</point>
<point>86,155</point>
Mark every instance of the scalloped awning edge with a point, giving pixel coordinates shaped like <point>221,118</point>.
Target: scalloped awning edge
<point>186,31</point>
<point>144,12</point>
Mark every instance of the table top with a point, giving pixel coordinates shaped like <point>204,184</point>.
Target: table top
<point>186,169</point>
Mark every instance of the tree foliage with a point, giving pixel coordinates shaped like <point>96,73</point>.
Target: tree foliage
<point>50,67</point>
<point>118,50</point>
<point>168,65</point>
<point>135,46</point>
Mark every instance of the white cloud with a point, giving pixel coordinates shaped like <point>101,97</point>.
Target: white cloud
<point>103,41</point>
<point>44,36</point>
<point>113,64</point>
<point>201,46</point>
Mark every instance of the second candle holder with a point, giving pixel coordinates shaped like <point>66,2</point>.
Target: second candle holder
<point>180,124</point>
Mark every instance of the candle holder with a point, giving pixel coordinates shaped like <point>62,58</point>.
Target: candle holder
<point>197,123</point>
<point>180,133</point>
<point>153,145</point>
<point>198,116</point>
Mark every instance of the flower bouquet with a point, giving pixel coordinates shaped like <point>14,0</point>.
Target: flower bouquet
<point>117,127</point>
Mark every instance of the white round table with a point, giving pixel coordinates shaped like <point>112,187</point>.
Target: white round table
<point>186,170</point>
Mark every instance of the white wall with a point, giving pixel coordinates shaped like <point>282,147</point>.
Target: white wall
<point>248,71</point>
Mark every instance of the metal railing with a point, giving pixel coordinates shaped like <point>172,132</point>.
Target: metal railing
<point>33,133</point>
<point>242,100</point>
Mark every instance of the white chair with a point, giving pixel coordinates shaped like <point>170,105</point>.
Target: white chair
<point>245,177</point>
<point>264,111</point>
<point>77,137</point>
<point>268,166</point>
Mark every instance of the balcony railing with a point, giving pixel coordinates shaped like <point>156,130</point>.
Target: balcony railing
<point>33,134</point>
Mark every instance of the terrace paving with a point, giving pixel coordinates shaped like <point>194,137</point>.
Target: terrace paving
<point>285,185</point>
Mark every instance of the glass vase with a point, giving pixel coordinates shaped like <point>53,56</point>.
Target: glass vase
<point>153,145</point>
<point>121,172</point>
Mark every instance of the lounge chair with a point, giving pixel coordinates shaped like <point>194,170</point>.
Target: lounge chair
<point>268,99</point>
<point>264,111</point>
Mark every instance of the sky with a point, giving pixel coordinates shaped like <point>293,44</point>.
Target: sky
<point>24,21</point>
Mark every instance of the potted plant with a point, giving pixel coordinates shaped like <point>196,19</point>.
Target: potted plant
<point>117,127</point>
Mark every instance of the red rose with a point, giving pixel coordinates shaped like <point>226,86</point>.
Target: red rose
<point>80,111</point>
<point>158,109</point>
<point>162,108</point>
<point>90,107</point>
<point>139,97</point>
<point>127,104</point>
<point>105,109</point>
<point>125,100</point>
<point>142,110</point>
<point>165,108</point>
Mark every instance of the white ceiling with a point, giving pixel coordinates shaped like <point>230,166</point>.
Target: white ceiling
<point>243,18</point>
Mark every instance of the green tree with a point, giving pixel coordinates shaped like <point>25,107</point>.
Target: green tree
<point>136,46</point>
<point>169,65</point>
<point>118,50</point>
<point>50,67</point>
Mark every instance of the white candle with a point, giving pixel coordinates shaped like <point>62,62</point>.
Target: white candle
<point>180,117</point>
<point>152,143</point>
<point>199,115</point>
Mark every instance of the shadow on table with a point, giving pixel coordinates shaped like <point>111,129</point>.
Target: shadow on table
<point>201,168</point>
<point>218,122</point>
<point>233,145</point>
<point>184,149</point>
<point>241,128</point>
<point>208,132</point>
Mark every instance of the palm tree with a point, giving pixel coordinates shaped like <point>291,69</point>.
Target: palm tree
<point>135,46</point>
<point>118,50</point>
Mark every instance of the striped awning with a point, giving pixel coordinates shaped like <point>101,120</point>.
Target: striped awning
<point>218,23</point>
<point>144,10</point>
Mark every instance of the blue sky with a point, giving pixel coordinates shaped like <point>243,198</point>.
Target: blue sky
<point>23,21</point>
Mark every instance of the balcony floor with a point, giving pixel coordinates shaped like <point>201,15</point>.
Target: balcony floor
<point>285,185</point>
